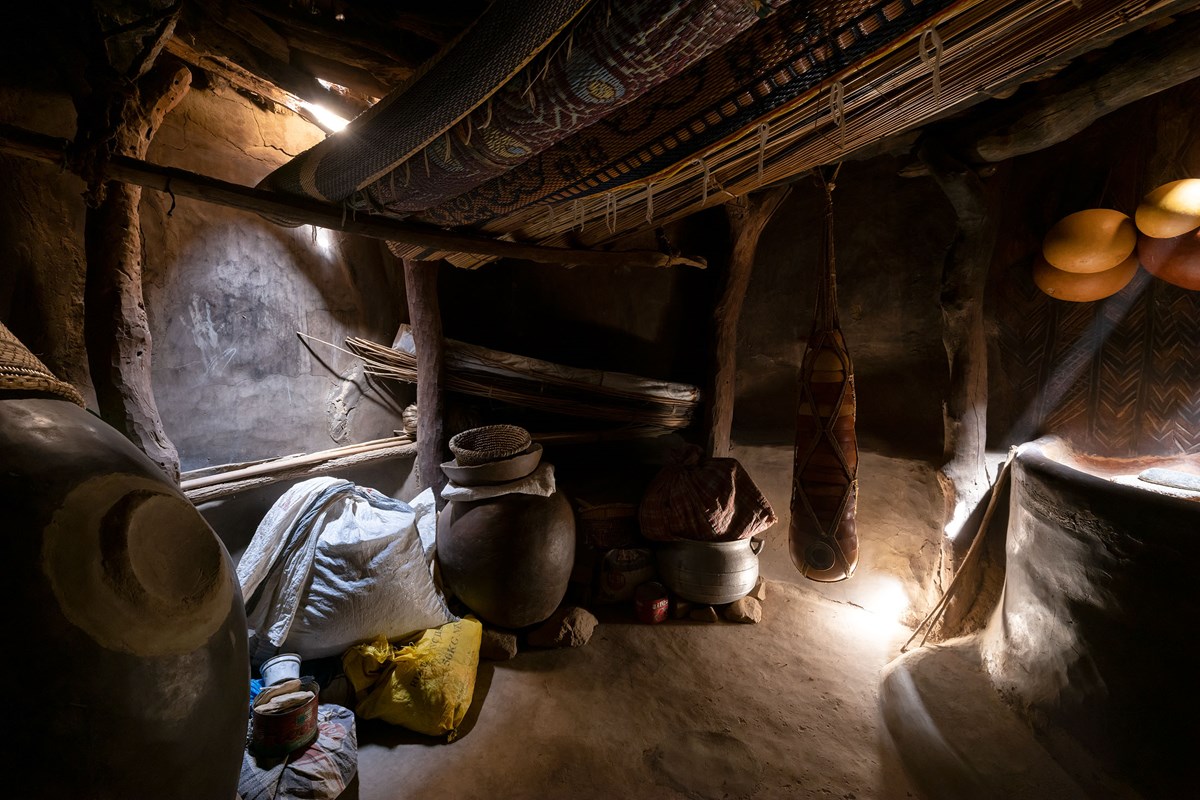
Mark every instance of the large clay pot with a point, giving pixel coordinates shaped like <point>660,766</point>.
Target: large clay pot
<point>126,632</point>
<point>709,572</point>
<point>508,558</point>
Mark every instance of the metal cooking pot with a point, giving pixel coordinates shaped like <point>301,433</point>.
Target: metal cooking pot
<point>710,572</point>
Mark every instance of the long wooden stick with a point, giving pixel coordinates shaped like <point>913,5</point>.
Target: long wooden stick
<point>297,210</point>
<point>234,481</point>
<point>976,547</point>
<point>305,459</point>
<point>321,463</point>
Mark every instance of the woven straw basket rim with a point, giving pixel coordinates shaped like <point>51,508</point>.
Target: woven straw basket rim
<point>489,443</point>
<point>22,371</point>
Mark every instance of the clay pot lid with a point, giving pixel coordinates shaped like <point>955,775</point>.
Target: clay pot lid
<point>494,472</point>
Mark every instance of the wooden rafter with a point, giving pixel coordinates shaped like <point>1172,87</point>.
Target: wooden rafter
<point>299,211</point>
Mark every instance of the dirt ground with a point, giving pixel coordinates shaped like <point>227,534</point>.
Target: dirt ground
<point>787,708</point>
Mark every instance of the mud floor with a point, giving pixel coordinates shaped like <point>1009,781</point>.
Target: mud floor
<point>787,708</point>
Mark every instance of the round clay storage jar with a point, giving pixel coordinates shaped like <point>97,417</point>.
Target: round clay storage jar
<point>116,570</point>
<point>508,558</point>
<point>713,573</point>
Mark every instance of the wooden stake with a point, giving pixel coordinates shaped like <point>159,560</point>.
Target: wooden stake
<point>746,224</point>
<point>299,211</point>
<point>425,317</point>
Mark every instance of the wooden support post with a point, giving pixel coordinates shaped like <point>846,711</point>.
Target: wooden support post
<point>746,223</point>
<point>116,328</point>
<point>425,316</point>
<point>963,475</point>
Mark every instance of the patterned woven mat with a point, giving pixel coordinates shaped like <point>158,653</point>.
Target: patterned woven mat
<point>22,371</point>
<point>612,57</point>
<point>491,52</point>
<point>777,60</point>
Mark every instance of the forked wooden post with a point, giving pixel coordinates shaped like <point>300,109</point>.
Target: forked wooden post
<point>746,223</point>
<point>425,316</point>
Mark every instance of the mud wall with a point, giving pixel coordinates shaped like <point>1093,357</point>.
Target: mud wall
<point>227,292</point>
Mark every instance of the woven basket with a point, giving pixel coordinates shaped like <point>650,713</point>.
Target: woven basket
<point>489,443</point>
<point>20,370</point>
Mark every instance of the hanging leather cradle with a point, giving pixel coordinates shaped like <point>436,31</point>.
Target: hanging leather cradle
<point>823,538</point>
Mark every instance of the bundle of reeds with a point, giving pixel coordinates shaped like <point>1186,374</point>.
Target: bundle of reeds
<point>540,385</point>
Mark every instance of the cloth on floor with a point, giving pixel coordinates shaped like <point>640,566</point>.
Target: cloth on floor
<point>333,564</point>
<point>321,771</point>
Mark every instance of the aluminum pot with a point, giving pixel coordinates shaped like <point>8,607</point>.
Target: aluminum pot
<point>709,572</point>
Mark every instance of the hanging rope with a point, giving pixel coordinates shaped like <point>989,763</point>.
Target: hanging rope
<point>650,202</point>
<point>930,50</point>
<point>837,104</point>
<point>764,131</point>
<point>610,211</point>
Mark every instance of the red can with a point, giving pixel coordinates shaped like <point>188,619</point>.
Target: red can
<point>650,602</point>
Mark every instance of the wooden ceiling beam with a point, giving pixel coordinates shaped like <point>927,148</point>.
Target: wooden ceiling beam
<point>301,211</point>
<point>1147,65</point>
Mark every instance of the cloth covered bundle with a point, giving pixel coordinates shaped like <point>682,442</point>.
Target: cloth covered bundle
<point>333,564</point>
<point>707,500</point>
<point>425,686</point>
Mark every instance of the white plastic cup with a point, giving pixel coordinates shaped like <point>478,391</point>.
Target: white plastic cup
<point>282,667</point>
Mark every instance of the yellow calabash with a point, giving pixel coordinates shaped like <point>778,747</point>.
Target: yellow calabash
<point>1083,287</point>
<point>1171,210</point>
<point>1094,240</point>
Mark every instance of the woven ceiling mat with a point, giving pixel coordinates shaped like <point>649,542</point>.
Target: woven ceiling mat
<point>502,42</point>
<point>982,48</point>
<point>771,65</point>
<point>22,371</point>
<point>613,54</point>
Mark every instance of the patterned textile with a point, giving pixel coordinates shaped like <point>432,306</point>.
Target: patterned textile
<point>498,46</point>
<point>776,61</point>
<point>705,500</point>
<point>321,771</point>
<point>823,538</point>
<point>614,55</point>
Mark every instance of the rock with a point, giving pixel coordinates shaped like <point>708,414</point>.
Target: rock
<point>570,626</point>
<point>497,645</point>
<point>704,614</point>
<point>759,592</point>
<point>680,609</point>
<point>748,610</point>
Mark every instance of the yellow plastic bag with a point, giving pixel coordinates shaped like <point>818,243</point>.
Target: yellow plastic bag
<point>425,686</point>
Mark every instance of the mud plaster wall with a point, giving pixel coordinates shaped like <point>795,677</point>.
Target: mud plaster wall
<point>226,291</point>
<point>1116,377</point>
<point>890,238</point>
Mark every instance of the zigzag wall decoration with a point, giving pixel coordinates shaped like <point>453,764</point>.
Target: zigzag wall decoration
<point>1115,378</point>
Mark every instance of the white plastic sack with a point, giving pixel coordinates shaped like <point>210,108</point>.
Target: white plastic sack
<point>333,564</point>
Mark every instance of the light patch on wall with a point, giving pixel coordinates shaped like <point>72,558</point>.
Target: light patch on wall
<point>324,117</point>
<point>322,239</point>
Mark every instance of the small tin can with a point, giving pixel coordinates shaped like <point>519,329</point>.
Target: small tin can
<point>276,735</point>
<point>650,602</point>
